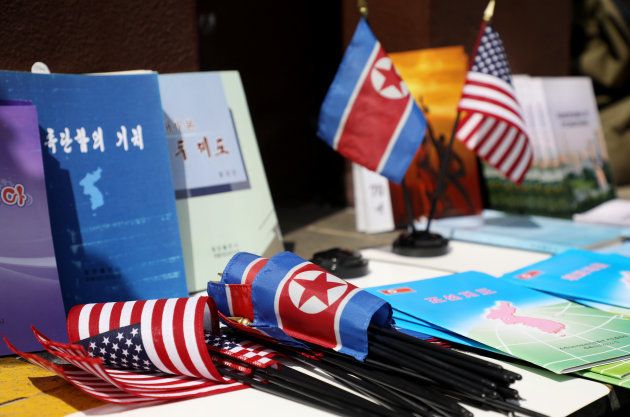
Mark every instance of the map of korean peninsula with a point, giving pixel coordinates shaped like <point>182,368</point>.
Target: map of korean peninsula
<point>506,312</point>
<point>91,190</point>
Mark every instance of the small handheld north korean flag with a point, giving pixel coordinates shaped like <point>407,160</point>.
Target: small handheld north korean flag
<point>292,301</point>
<point>368,115</point>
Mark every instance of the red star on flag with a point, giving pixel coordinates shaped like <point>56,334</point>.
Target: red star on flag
<point>391,78</point>
<point>316,288</point>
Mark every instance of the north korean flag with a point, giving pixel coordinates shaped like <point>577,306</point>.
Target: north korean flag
<point>309,304</point>
<point>368,115</point>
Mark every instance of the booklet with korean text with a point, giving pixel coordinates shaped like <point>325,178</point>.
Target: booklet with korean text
<point>223,200</point>
<point>580,275</point>
<point>29,284</point>
<point>551,332</point>
<point>109,186</point>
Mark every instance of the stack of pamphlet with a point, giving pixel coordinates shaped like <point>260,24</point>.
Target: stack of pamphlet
<point>597,280</point>
<point>554,333</point>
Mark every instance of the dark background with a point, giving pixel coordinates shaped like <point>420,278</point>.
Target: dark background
<point>286,51</point>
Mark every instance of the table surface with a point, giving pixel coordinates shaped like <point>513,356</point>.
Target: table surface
<point>543,391</point>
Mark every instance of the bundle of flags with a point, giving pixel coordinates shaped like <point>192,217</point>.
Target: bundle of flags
<point>275,312</point>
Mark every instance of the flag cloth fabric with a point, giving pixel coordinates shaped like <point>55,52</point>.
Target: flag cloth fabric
<point>492,124</point>
<point>295,300</point>
<point>140,351</point>
<point>368,115</point>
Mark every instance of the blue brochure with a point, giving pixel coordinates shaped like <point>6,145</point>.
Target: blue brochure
<point>109,187</point>
<point>409,323</point>
<point>580,274</point>
<point>536,233</point>
<point>551,332</point>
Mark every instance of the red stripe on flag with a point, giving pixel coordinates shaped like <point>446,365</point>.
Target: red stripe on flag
<point>136,312</point>
<point>372,118</point>
<point>114,317</point>
<point>178,335</point>
<point>158,341</point>
<point>95,316</point>
<point>72,324</point>
<point>492,87</point>
<point>496,103</point>
<point>252,270</point>
<point>201,340</point>
<point>241,300</point>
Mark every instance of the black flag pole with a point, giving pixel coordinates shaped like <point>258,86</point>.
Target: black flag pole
<point>424,243</point>
<point>414,242</point>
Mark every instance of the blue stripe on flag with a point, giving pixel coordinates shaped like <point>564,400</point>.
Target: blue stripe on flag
<point>234,270</point>
<point>361,310</point>
<point>267,284</point>
<point>354,61</point>
<point>405,146</point>
<point>217,291</point>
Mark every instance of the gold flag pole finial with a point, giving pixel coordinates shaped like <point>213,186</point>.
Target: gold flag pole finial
<point>487,14</point>
<point>363,8</point>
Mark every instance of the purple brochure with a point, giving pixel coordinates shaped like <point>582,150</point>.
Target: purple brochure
<point>29,285</point>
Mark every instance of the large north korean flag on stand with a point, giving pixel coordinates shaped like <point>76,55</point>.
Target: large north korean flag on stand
<point>368,115</point>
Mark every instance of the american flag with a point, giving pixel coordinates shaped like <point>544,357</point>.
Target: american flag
<point>243,350</point>
<point>492,123</point>
<point>139,351</point>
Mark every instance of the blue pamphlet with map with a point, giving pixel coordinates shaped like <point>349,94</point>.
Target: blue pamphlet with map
<point>580,275</point>
<point>551,332</point>
<point>109,186</point>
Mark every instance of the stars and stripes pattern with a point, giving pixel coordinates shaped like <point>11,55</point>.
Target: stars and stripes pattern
<point>243,350</point>
<point>120,348</point>
<point>159,353</point>
<point>171,331</point>
<point>492,123</point>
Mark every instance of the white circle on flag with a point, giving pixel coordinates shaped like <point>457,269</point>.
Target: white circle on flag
<point>314,304</point>
<point>381,77</point>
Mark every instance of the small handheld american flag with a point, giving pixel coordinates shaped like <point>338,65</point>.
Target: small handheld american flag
<point>492,124</point>
<point>142,351</point>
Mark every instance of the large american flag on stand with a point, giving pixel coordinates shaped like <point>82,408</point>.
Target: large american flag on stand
<point>492,124</point>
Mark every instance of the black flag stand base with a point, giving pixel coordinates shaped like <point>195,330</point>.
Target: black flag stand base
<point>418,243</point>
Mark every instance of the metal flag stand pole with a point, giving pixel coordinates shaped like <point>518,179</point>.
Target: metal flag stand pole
<point>424,243</point>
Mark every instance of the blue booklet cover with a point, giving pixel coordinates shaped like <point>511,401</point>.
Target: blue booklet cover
<point>551,332</point>
<point>580,274</point>
<point>109,187</point>
<point>536,233</point>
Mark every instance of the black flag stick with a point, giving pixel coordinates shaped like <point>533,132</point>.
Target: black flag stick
<point>445,159</point>
<point>414,242</point>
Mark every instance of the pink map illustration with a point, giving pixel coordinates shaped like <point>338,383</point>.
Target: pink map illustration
<point>506,312</point>
<point>625,278</point>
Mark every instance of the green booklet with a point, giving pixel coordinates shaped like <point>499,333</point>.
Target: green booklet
<point>551,332</point>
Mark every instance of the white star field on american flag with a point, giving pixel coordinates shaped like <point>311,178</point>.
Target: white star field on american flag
<point>121,349</point>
